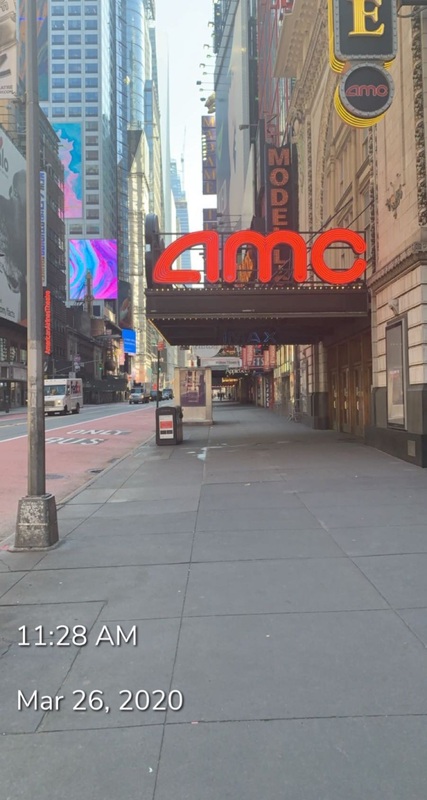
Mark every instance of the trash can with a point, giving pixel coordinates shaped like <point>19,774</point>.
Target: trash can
<point>169,425</point>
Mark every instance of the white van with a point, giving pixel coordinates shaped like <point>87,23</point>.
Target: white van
<point>63,395</point>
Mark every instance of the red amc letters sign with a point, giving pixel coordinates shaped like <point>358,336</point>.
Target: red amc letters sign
<point>163,272</point>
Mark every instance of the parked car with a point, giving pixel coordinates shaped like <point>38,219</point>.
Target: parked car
<point>138,395</point>
<point>167,394</point>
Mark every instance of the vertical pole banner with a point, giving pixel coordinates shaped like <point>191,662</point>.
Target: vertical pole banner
<point>43,221</point>
<point>266,360</point>
<point>272,349</point>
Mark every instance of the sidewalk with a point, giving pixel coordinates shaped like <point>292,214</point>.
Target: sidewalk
<point>19,411</point>
<point>277,577</point>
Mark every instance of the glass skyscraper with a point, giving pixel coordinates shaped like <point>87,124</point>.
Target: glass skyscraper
<point>82,104</point>
<point>178,192</point>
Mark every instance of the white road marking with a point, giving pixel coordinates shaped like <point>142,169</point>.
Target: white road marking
<point>61,427</point>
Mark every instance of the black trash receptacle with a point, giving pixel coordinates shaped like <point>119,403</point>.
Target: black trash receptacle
<point>169,425</point>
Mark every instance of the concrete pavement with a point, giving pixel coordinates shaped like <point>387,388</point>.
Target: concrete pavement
<point>276,577</point>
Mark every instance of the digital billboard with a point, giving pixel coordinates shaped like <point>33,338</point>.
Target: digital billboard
<point>8,49</point>
<point>70,153</point>
<point>129,341</point>
<point>98,257</point>
<point>13,237</point>
<point>124,315</point>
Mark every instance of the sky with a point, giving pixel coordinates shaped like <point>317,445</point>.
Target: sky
<point>182,28</point>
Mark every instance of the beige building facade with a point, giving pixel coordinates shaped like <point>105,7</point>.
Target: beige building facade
<point>370,377</point>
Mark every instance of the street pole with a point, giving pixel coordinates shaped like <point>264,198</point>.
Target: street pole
<point>37,526</point>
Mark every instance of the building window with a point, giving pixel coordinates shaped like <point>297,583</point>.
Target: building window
<point>74,229</point>
<point>92,229</point>
<point>91,83</point>
<point>75,38</point>
<point>92,141</point>
<point>92,125</point>
<point>74,53</point>
<point>58,68</point>
<point>92,111</point>
<point>92,213</point>
<point>92,155</point>
<point>92,184</point>
<point>58,97</point>
<point>74,24</point>
<point>58,111</point>
<point>3,349</point>
<point>74,83</point>
<point>74,67</point>
<point>75,111</point>
<point>58,54</point>
<point>396,374</point>
<point>75,97</point>
<point>91,38</point>
<point>58,83</point>
<point>91,52</point>
<point>92,199</point>
<point>58,38</point>
<point>91,97</point>
<point>91,25</point>
<point>91,68</point>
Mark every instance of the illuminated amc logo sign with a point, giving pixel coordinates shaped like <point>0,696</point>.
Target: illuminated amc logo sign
<point>364,93</point>
<point>368,91</point>
<point>264,245</point>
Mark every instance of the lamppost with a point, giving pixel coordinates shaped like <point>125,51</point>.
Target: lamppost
<point>37,525</point>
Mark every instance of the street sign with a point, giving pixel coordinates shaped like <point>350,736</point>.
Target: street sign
<point>160,345</point>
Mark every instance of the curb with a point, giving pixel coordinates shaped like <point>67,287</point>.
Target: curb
<point>104,471</point>
<point>86,485</point>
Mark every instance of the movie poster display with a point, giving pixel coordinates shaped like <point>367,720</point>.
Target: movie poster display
<point>192,388</point>
<point>396,382</point>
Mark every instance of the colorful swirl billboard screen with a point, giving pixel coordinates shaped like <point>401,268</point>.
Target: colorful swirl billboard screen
<point>99,258</point>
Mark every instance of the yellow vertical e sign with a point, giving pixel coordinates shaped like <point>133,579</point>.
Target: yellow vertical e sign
<point>360,13</point>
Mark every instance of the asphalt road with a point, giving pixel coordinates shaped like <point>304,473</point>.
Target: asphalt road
<point>15,424</point>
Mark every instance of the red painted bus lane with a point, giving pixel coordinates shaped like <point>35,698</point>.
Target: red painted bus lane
<point>72,450</point>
